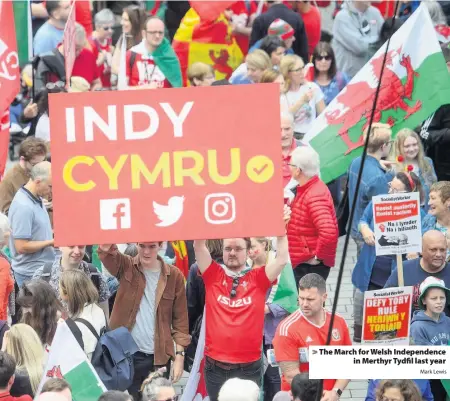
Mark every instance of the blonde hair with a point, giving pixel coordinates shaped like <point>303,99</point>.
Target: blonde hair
<point>270,76</point>
<point>397,150</point>
<point>379,135</point>
<point>79,290</point>
<point>25,347</point>
<point>259,59</point>
<point>199,71</point>
<point>287,64</point>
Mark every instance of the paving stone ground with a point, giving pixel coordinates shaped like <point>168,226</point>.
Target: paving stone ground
<point>356,390</point>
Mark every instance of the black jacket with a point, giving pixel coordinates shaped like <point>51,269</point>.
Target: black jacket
<point>436,137</point>
<point>262,23</point>
<point>21,385</point>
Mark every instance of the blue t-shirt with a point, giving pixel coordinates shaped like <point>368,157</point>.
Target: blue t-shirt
<point>413,275</point>
<point>333,89</point>
<point>29,220</point>
<point>47,38</point>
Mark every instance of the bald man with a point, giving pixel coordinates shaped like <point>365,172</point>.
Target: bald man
<point>31,240</point>
<point>432,263</point>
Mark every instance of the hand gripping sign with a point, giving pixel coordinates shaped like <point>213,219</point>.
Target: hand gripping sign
<point>191,163</point>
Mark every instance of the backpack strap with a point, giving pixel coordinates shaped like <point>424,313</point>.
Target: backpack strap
<point>75,331</point>
<point>90,327</point>
<point>47,272</point>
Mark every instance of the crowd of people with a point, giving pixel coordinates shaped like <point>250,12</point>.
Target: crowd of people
<point>254,347</point>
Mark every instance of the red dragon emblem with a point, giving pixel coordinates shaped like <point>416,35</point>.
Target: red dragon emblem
<point>55,372</point>
<point>358,98</point>
<point>221,62</point>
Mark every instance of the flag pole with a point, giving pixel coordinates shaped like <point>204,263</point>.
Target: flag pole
<point>355,197</point>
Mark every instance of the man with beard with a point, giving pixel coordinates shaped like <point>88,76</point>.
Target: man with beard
<point>51,33</point>
<point>432,263</point>
<point>235,302</point>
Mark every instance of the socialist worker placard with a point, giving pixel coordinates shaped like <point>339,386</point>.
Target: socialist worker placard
<point>157,165</point>
<point>397,223</point>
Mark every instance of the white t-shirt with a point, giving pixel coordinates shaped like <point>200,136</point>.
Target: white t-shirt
<point>43,128</point>
<point>95,316</point>
<point>306,114</point>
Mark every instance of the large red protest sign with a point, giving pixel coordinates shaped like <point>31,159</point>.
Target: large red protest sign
<point>69,44</point>
<point>387,316</point>
<point>149,165</point>
<point>9,59</point>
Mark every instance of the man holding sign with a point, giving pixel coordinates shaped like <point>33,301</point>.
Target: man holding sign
<point>235,301</point>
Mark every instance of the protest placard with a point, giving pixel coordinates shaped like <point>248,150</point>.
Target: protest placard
<point>69,44</point>
<point>397,223</point>
<point>387,315</point>
<point>157,165</point>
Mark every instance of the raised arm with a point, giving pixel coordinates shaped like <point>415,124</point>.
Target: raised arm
<point>113,260</point>
<point>202,255</point>
<point>274,268</point>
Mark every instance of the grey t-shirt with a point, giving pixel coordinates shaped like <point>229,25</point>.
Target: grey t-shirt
<point>144,329</point>
<point>29,220</point>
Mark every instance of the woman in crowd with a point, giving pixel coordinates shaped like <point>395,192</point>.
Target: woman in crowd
<point>40,309</point>
<point>330,80</point>
<point>303,99</point>
<point>6,277</point>
<point>274,76</point>
<point>438,217</point>
<point>24,345</point>
<point>255,64</point>
<point>81,296</point>
<point>200,74</point>
<point>409,146</point>
<point>158,388</point>
<point>260,255</point>
<point>273,47</point>
<point>398,390</point>
<point>371,272</point>
<point>133,20</point>
<point>431,326</point>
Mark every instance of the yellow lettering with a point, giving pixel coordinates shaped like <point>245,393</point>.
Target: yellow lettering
<point>194,172</point>
<point>138,168</point>
<point>112,172</point>
<point>235,167</point>
<point>68,177</point>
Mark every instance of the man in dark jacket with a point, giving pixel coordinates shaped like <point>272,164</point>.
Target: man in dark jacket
<point>279,10</point>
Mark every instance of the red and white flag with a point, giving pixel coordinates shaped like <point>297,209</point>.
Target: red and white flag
<point>4,141</point>
<point>9,59</point>
<point>9,75</point>
<point>69,44</point>
<point>443,33</point>
<point>195,389</point>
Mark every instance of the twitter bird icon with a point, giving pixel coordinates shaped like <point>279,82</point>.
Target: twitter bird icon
<point>169,214</point>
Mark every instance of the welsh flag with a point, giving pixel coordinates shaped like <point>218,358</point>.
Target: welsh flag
<point>208,41</point>
<point>73,366</point>
<point>284,293</point>
<point>24,32</point>
<point>415,83</point>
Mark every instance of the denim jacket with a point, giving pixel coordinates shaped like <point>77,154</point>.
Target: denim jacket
<point>363,269</point>
<point>374,181</point>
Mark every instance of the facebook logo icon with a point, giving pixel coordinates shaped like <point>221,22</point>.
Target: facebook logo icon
<point>115,214</point>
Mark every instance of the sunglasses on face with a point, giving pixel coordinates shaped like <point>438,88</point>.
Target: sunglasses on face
<point>326,58</point>
<point>107,28</point>
<point>234,287</point>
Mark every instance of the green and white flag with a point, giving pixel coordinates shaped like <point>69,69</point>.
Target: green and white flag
<point>415,83</point>
<point>68,361</point>
<point>284,292</point>
<point>24,31</point>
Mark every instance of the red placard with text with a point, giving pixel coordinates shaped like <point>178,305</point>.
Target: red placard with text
<point>166,164</point>
<point>387,316</point>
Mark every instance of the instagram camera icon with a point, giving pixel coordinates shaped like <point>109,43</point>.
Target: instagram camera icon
<point>220,208</point>
<point>115,214</point>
